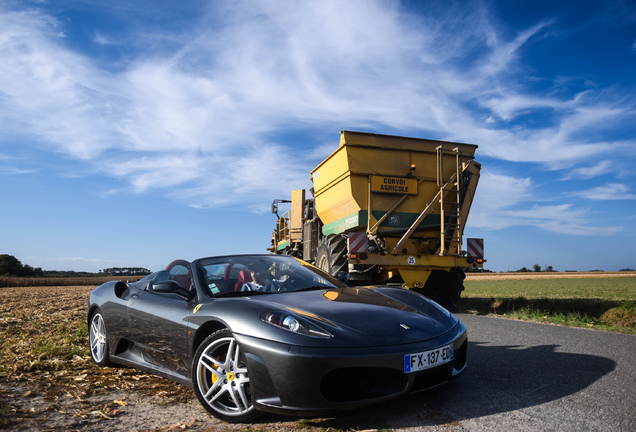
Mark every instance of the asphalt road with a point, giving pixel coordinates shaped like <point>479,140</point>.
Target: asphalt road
<point>525,377</point>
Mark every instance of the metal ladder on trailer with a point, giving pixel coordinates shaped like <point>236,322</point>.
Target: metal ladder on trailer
<point>450,204</point>
<point>449,198</point>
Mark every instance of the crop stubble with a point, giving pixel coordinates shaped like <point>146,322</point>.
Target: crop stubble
<point>47,379</point>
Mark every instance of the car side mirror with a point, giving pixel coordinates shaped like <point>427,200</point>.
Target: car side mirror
<point>171,287</point>
<point>343,277</point>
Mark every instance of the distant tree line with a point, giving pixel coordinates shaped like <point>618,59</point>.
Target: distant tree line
<point>124,271</point>
<point>69,274</point>
<point>536,268</point>
<point>11,266</point>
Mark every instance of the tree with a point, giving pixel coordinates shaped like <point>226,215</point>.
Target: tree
<point>549,269</point>
<point>536,267</point>
<point>10,265</point>
<point>523,270</point>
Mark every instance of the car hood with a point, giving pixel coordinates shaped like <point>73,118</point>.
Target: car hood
<point>368,316</point>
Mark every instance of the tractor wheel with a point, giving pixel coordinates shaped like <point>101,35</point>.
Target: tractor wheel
<point>444,287</point>
<point>331,255</point>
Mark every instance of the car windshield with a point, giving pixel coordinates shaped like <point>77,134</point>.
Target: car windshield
<point>266,274</point>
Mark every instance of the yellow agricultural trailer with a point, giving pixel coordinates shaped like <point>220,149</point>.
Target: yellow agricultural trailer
<point>387,209</point>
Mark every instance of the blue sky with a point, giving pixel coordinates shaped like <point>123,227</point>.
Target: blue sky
<point>132,133</point>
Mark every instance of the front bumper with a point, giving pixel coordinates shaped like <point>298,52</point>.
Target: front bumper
<point>288,379</point>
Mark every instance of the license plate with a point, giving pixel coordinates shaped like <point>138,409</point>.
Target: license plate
<point>428,359</point>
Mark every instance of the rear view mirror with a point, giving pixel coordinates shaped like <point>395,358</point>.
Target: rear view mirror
<point>171,287</point>
<point>274,208</point>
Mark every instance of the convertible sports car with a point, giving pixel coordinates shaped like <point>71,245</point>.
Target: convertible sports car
<point>272,333</point>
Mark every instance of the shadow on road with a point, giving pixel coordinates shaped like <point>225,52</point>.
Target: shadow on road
<point>498,379</point>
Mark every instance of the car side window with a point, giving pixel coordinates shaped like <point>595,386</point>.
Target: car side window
<point>160,276</point>
<point>181,275</point>
<point>213,276</point>
<point>221,276</point>
<point>178,273</point>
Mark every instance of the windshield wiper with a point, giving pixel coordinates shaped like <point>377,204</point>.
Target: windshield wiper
<point>239,293</point>
<point>313,288</point>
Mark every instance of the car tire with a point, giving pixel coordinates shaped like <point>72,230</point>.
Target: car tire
<point>98,339</point>
<point>221,379</point>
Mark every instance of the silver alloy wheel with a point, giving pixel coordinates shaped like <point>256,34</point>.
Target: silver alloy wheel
<point>222,378</point>
<point>97,338</point>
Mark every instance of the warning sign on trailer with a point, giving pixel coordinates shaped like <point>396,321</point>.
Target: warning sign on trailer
<point>394,185</point>
<point>475,247</point>
<point>358,242</point>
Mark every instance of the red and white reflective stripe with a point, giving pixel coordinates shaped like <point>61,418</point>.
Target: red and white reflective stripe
<point>475,247</point>
<point>358,243</point>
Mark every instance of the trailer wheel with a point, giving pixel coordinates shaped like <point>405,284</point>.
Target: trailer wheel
<point>457,285</point>
<point>444,287</point>
<point>331,255</point>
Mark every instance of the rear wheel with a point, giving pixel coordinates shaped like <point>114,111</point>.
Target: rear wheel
<point>98,340</point>
<point>331,255</point>
<point>444,287</point>
<point>221,379</point>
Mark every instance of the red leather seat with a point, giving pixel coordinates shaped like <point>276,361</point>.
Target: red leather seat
<point>243,277</point>
<point>184,281</point>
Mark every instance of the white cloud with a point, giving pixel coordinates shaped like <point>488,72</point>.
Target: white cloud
<point>510,105</point>
<point>202,123</point>
<point>101,39</point>
<point>49,92</point>
<point>603,167</point>
<point>9,167</point>
<point>95,260</point>
<point>502,201</point>
<point>496,193</point>
<point>561,218</point>
<point>611,191</point>
<point>15,171</point>
<point>506,53</point>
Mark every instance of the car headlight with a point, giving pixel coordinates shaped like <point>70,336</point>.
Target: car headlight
<point>294,324</point>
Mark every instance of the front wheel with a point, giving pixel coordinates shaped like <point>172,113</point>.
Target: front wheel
<point>98,340</point>
<point>221,379</point>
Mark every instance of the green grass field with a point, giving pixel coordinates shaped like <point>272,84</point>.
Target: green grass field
<point>611,288</point>
<point>599,303</point>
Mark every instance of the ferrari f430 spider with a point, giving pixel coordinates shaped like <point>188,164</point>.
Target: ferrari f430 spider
<point>272,333</point>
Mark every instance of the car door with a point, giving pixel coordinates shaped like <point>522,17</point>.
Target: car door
<point>159,325</point>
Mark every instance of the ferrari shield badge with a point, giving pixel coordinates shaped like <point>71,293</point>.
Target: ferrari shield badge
<point>196,308</point>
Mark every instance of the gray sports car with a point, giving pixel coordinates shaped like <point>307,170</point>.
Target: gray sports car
<point>272,333</point>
